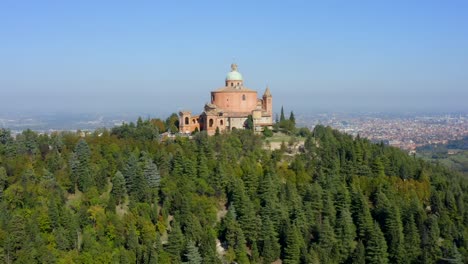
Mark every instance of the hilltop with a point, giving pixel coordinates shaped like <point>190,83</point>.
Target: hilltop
<point>126,196</point>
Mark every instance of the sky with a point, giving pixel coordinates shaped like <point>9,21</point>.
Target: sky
<point>166,56</point>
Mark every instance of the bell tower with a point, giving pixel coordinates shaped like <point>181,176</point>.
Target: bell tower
<point>267,101</point>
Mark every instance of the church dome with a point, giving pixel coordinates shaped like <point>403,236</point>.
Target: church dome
<point>234,75</point>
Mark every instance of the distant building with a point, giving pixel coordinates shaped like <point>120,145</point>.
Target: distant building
<point>230,108</point>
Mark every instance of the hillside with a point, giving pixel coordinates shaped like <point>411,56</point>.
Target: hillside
<point>453,155</point>
<point>125,196</point>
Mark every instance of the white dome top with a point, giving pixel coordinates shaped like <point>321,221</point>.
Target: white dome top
<point>234,75</point>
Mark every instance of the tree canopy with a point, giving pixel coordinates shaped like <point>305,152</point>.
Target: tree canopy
<point>126,196</point>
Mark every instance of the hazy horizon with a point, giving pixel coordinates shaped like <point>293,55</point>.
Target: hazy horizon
<point>165,57</point>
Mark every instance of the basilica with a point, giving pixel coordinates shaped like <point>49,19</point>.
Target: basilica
<point>230,108</point>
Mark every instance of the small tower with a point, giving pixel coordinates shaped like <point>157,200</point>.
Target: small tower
<point>267,102</point>
<point>184,121</point>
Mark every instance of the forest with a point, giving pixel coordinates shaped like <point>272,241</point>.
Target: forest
<point>127,195</point>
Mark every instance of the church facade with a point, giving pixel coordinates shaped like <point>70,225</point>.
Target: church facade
<point>230,108</point>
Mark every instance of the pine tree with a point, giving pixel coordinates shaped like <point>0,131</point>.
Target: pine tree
<point>326,237</point>
<point>269,246</point>
<point>412,240</point>
<point>376,250</point>
<point>3,181</point>
<point>359,254</point>
<point>394,235</point>
<point>361,215</point>
<point>240,247</point>
<point>74,164</point>
<point>430,240</point>
<point>83,170</point>
<point>346,233</point>
<point>130,171</point>
<point>454,256</point>
<point>292,250</point>
<point>118,187</point>
<point>175,243</point>
<point>152,175</point>
<point>192,254</point>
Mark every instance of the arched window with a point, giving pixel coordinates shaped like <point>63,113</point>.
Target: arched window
<point>232,84</point>
<point>221,122</point>
<point>243,97</point>
<point>211,122</point>
<point>193,121</point>
<point>186,120</point>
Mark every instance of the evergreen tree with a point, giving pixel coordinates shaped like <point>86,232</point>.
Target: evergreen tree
<point>359,254</point>
<point>346,234</point>
<point>412,240</point>
<point>192,254</point>
<point>282,118</point>
<point>327,238</point>
<point>430,240</point>
<point>361,215</point>
<point>269,246</point>
<point>376,250</point>
<point>3,181</point>
<point>83,169</point>
<point>152,176</point>
<point>395,237</point>
<point>292,247</point>
<point>130,172</point>
<point>118,187</point>
<point>454,256</point>
<point>176,243</point>
<point>292,119</point>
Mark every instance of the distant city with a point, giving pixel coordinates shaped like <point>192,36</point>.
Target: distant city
<point>405,131</point>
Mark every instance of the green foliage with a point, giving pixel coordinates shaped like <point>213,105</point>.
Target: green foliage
<point>376,250</point>
<point>282,118</point>
<point>125,196</point>
<point>118,187</point>
<point>249,123</point>
<point>292,118</point>
<point>193,255</point>
<point>267,132</point>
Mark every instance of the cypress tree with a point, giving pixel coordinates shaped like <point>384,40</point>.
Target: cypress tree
<point>282,118</point>
<point>292,119</point>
